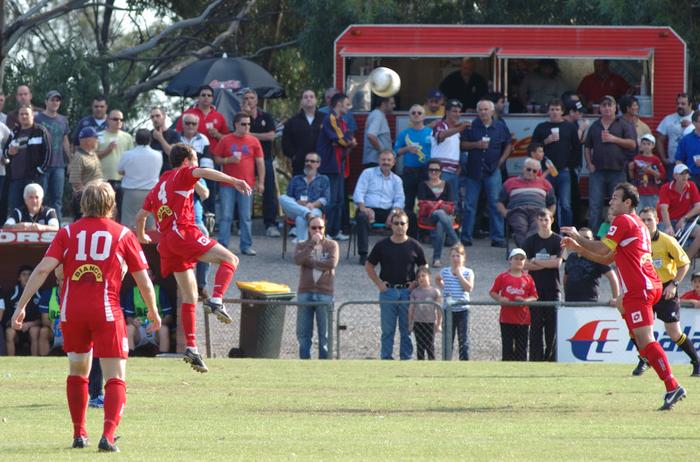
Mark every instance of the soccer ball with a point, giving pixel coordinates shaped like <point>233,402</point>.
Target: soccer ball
<point>384,82</point>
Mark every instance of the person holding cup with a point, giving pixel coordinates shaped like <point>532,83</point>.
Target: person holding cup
<point>562,149</point>
<point>688,151</point>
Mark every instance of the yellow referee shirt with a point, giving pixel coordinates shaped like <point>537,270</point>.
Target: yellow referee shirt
<point>667,255</point>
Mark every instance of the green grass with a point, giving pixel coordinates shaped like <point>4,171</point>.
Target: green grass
<point>358,410</point>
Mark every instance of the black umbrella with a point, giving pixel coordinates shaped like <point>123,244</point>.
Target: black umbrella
<point>226,73</point>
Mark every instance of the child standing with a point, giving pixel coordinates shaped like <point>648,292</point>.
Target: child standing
<point>514,285</point>
<point>647,172</point>
<point>694,295</point>
<point>425,320</point>
<point>457,282</point>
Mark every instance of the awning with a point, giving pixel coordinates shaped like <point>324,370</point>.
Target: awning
<point>417,51</point>
<point>574,53</point>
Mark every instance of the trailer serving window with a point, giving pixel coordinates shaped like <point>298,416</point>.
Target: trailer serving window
<point>531,77</point>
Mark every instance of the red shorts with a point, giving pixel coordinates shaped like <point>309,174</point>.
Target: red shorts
<point>106,339</point>
<point>638,308</point>
<point>179,251</point>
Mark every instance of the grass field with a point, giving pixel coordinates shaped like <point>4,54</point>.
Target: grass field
<point>358,410</point>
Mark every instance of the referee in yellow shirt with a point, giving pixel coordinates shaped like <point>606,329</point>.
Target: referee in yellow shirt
<point>671,264</point>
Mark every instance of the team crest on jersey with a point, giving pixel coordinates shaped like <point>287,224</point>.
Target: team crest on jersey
<point>164,210</point>
<point>612,230</point>
<point>87,268</point>
<point>636,317</point>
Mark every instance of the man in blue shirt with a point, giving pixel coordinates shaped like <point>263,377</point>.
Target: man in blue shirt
<point>413,144</point>
<point>488,143</point>
<point>688,151</point>
<point>98,119</point>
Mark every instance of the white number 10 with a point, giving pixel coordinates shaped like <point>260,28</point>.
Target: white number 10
<point>95,238</point>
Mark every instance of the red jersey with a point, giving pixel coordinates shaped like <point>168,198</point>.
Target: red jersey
<point>690,295</point>
<point>679,203</point>
<point>96,254</point>
<point>630,240</point>
<point>592,88</point>
<point>170,201</point>
<point>246,148</point>
<point>213,119</point>
<point>510,286</point>
<point>646,184</point>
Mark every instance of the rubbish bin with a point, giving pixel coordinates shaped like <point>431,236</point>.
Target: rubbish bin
<point>262,325</point>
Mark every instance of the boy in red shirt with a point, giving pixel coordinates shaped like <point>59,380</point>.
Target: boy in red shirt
<point>694,295</point>
<point>514,285</point>
<point>647,172</point>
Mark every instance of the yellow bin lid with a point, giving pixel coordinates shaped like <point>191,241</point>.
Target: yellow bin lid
<point>263,287</point>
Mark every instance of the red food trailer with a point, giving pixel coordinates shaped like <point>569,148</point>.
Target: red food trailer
<point>652,59</point>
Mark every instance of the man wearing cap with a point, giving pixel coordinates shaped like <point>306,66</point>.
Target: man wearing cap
<point>611,143</point>
<point>594,87</point>
<point>377,132</point>
<point>647,172</point>
<point>573,112</point>
<point>57,126</point>
<point>679,203</point>
<point>673,126</point>
<point>688,151</point>
<point>84,166</point>
<point>435,104</point>
<point>465,85</point>
<point>96,120</point>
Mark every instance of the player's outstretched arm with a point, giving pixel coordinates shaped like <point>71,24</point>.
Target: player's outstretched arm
<point>141,235</point>
<point>36,280</point>
<point>149,296</point>
<point>215,175</point>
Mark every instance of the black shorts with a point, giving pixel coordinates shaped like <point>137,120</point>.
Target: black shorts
<point>668,310</point>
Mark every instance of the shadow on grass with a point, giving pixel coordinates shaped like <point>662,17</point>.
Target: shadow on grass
<point>431,410</point>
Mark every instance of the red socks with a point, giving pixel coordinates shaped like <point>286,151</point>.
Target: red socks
<point>223,278</point>
<point>115,399</point>
<point>657,359</point>
<point>189,324</point>
<point>77,394</point>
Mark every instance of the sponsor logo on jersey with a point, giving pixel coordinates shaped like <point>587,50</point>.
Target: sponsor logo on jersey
<point>585,337</point>
<point>87,268</point>
<point>164,210</point>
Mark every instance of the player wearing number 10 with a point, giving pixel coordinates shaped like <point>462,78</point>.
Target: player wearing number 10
<point>96,252</point>
<point>182,243</point>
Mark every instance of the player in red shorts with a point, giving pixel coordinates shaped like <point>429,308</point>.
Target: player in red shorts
<point>628,244</point>
<point>96,252</point>
<point>182,243</point>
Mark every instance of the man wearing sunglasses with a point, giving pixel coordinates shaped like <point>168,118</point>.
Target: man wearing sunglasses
<point>414,144</point>
<point>212,123</point>
<point>307,195</point>
<point>162,137</point>
<point>113,142</point>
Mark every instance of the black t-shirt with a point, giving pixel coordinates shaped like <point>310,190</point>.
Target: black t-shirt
<point>398,261</point>
<point>32,312</point>
<point>564,153</point>
<point>582,278</point>
<point>263,123</point>
<point>171,137</point>
<point>546,280</point>
<point>21,215</point>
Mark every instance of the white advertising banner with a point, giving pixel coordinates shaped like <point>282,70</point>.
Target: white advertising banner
<point>600,335</point>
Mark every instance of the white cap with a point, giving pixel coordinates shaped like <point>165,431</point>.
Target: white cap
<point>517,251</point>
<point>649,137</point>
<point>680,168</point>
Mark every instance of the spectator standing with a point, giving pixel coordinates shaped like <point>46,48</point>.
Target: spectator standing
<point>378,195</point>
<point>562,149</point>
<point>435,104</point>
<point>425,320</point>
<point>200,143</point>
<point>398,256</point>
<point>514,285</point>
<point>162,137</point>
<point>629,107</point>
<point>457,282</point>
<point>29,151</point>
<point>96,120</point>
<point>140,168</point>
<point>4,135</point>
<point>307,195</point>
<point>328,108</point>
<point>301,132</point>
<point>212,123</point>
<point>57,126</point>
<point>610,144</point>
<point>23,97</point>
<point>465,85</point>
<point>413,146</point>
<point>543,250</point>
<point>333,145</point>
<point>377,132</point>
<point>240,155</point>
<point>679,203</point>
<point>263,128</point>
<point>647,172</point>
<point>688,150</point>
<point>33,215</point>
<point>672,127</point>
<point>594,87</point>
<point>3,116</point>
<point>445,144</point>
<point>113,143</point>
<point>489,144</point>
<point>84,167</point>
<point>573,112</point>
<point>582,277</point>
<point>317,258</point>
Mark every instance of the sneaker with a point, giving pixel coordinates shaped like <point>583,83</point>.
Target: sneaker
<point>672,397</point>
<point>218,310</point>
<point>106,446</point>
<point>696,370</point>
<point>272,231</point>
<point>195,360</point>
<point>642,366</point>
<point>437,263</point>
<point>341,237</point>
<point>80,442</point>
<point>97,403</point>
<point>249,252</point>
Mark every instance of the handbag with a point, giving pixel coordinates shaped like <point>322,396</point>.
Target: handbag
<point>426,209</point>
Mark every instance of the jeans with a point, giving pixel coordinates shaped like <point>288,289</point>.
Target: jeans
<point>270,195</point>
<point>523,223</point>
<point>390,314</point>
<point>453,181</point>
<point>443,228</point>
<point>363,227</point>
<point>562,188</point>
<point>245,208</point>
<point>305,323</point>
<point>53,182</point>
<point>335,207</point>
<point>16,192</point>
<point>202,268</point>
<point>210,203</point>
<point>600,187</point>
<point>411,180</point>
<point>492,184</point>
<point>298,213</point>
<point>460,324</point>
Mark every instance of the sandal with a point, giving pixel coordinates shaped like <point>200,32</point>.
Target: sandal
<point>437,264</point>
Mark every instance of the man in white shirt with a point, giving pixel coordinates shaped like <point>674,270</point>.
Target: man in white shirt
<point>378,194</point>
<point>673,127</point>
<point>141,168</point>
